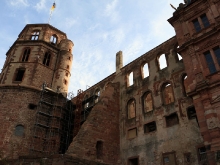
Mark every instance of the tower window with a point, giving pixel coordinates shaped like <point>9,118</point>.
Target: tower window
<point>35,35</point>
<point>53,39</point>
<point>26,54</point>
<point>196,25</point>
<point>210,62</point>
<point>67,67</point>
<point>20,74</point>
<point>65,82</point>
<point>67,74</point>
<point>19,130</point>
<point>46,60</point>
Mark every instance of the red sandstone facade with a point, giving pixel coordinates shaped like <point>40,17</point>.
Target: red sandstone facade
<point>149,112</point>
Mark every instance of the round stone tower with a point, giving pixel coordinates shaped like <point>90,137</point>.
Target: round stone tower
<point>63,67</point>
<point>33,86</point>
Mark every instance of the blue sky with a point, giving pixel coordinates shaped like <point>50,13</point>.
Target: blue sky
<point>98,28</point>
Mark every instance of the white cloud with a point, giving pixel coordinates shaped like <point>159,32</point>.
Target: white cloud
<point>69,22</point>
<point>19,3</point>
<point>110,11</point>
<point>40,5</point>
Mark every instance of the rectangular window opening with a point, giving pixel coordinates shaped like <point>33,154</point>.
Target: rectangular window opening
<point>99,149</point>
<point>133,161</point>
<point>132,133</point>
<point>205,20</point>
<point>202,154</point>
<point>20,75</point>
<point>210,62</point>
<point>172,120</point>
<point>150,127</point>
<point>217,54</point>
<point>196,25</point>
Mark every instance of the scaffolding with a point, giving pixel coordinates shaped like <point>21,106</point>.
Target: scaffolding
<point>82,109</point>
<point>53,128</point>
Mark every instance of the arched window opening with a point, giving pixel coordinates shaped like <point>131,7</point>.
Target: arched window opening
<point>26,54</point>
<point>148,102</point>
<point>53,39</point>
<point>46,60</point>
<point>131,109</point>
<point>97,94</point>
<point>86,105</point>
<point>99,149</point>
<point>35,35</point>
<point>67,67</point>
<point>162,62</point>
<point>167,91</point>
<point>130,79</point>
<point>19,130</point>
<point>145,70</point>
<point>179,56</point>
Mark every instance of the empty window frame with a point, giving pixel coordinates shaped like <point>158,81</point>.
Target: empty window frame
<point>99,149</point>
<point>196,25</point>
<point>46,60</point>
<point>205,20</point>
<point>32,106</point>
<point>145,70</point>
<point>179,57</point>
<point>97,94</point>
<point>201,21</point>
<point>65,81</point>
<point>132,133</point>
<point>131,109</point>
<point>130,79</point>
<point>167,91</point>
<point>191,113</point>
<point>19,74</point>
<point>19,130</point>
<point>53,39</point>
<point>217,54</point>
<point>162,62</point>
<point>147,102</point>
<point>26,54</point>
<point>169,158</point>
<point>172,120</point>
<point>133,161</point>
<point>184,77</point>
<point>150,127</point>
<point>35,35</point>
<point>202,154</point>
<point>86,105</point>
<point>210,62</point>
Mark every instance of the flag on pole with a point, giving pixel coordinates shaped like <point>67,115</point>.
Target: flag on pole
<point>53,7</point>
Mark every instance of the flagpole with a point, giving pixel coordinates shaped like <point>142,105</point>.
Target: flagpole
<point>51,11</point>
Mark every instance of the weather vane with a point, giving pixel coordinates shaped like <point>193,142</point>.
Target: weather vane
<point>51,11</point>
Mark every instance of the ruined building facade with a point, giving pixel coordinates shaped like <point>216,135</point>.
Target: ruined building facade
<point>145,113</point>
